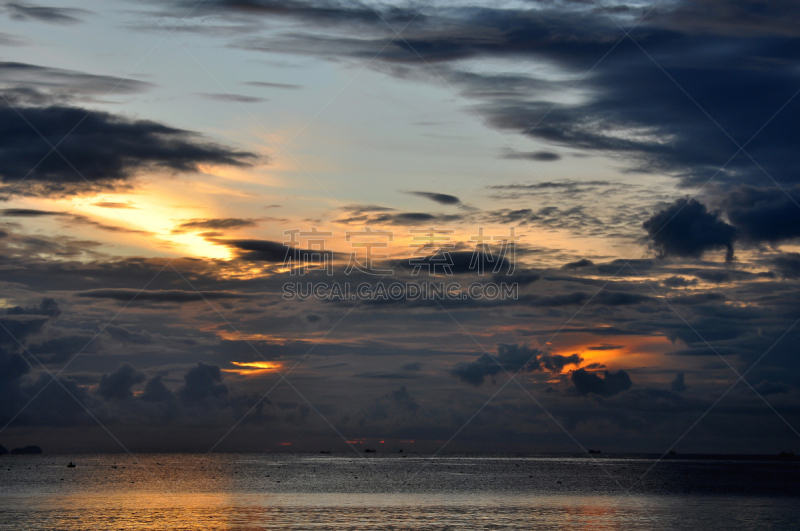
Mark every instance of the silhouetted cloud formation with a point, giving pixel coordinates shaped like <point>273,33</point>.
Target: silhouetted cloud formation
<point>102,151</point>
<point>203,386</point>
<point>687,229</point>
<point>118,384</point>
<point>443,199</point>
<point>769,215</point>
<point>511,358</point>
<point>610,384</point>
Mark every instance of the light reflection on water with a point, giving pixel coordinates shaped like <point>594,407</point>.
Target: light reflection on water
<point>313,492</point>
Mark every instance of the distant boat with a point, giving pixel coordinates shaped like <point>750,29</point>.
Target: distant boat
<point>324,451</point>
<point>401,451</point>
<point>594,451</point>
<point>672,452</point>
<point>369,451</point>
<point>71,465</point>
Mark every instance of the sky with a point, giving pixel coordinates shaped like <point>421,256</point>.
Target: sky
<point>183,183</point>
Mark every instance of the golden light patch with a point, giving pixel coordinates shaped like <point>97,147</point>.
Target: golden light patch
<point>619,352</point>
<point>253,368</point>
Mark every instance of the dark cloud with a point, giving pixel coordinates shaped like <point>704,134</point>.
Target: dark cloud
<point>28,213</point>
<point>442,199</point>
<point>511,358</point>
<point>52,406</point>
<point>118,385</point>
<point>788,265</point>
<point>28,84</point>
<point>269,251</point>
<point>583,262</point>
<point>52,15</point>
<point>156,391</point>
<point>687,229</point>
<point>173,295</point>
<point>610,384</point>
<point>203,386</point>
<point>106,150</point>
<point>267,84</point>
<point>679,282</point>
<point>460,263</point>
<point>48,307</point>
<point>763,214</point>
<point>403,398</point>
<point>539,156</point>
<point>233,98</point>
<point>216,224</point>
<point>19,322</point>
<point>678,385</point>
<point>409,218</point>
<point>631,109</point>
<point>60,349</point>
<point>766,388</point>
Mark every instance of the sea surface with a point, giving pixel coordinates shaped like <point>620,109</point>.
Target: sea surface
<point>375,491</point>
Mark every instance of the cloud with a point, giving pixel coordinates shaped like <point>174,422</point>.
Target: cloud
<point>115,206</point>
<point>679,282</point>
<point>232,98</point>
<point>51,15</point>
<point>687,229</point>
<point>763,214</point>
<point>269,251</point>
<point>678,385</point>
<point>19,322</point>
<point>215,224</point>
<point>172,295</point>
<point>118,384</point>
<point>539,156</point>
<point>442,199</point>
<point>48,307</point>
<point>577,265</point>
<point>610,384</point>
<point>202,386</point>
<point>29,84</point>
<point>766,388</point>
<point>103,151</point>
<point>511,358</point>
<point>156,391</point>
<point>403,398</point>
<point>630,108</point>
<point>788,264</point>
<point>267,84</point>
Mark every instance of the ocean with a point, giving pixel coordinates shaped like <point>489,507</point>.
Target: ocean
<point>378,491</point>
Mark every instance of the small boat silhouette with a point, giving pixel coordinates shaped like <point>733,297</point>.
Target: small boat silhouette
<point>324,451</point>
<point>71,465</point>
<point>369,451</point>
<point>594,451</point>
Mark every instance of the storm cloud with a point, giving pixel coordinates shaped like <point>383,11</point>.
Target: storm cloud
<point>511,358</point>
<point>687,229</point>
<point>610,384</point>
<point>100,150</point>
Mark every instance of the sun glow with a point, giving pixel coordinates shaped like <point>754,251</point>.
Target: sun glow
<point>252,368</point>
<point>150,222</point>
